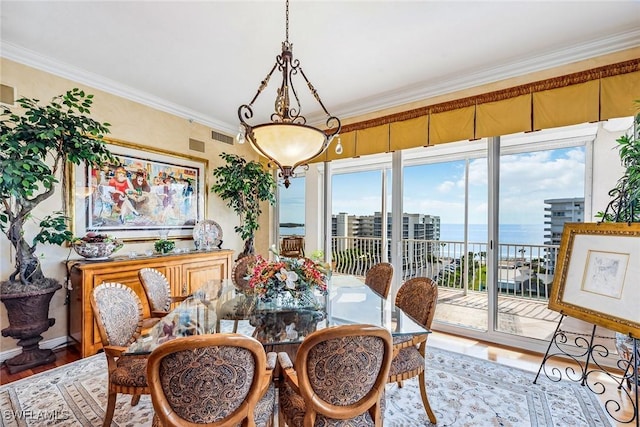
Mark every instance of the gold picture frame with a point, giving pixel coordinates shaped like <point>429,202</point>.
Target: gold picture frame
<point>598,275</point>
<point>150,193</point>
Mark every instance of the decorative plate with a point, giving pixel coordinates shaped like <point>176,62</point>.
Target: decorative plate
<point>207,234</point>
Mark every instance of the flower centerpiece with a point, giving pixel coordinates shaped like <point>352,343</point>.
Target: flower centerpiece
<point>289,281</point>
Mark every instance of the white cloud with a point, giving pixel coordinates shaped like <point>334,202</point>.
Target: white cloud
<point>446,187</point>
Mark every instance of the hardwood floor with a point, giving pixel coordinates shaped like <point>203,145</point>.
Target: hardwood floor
<point>508,356</point>
<point>63,356</point>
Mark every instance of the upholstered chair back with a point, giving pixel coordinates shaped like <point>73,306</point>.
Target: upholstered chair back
<point>118,311</point>
<point>216,380</point>
<point>379,278</point>
<point>240,271</point>
<point>417,298</point>
<point>341,376</point>
<point>157,288</point>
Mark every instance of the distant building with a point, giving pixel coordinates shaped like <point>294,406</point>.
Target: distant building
<point>558,213</point>
<point>414,226</point>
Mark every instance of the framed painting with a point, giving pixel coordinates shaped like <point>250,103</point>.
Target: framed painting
<point>147,193</point>
<point>598,273</point>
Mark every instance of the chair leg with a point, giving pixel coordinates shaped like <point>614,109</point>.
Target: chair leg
<point>135,399</point>
<point>235,326</point>
<point>425,399</point>
<point>281,422</point>
<point>111,406</point>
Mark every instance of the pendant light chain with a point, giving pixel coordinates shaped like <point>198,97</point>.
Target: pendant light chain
<point>287,141</point>
<point>287,23</point>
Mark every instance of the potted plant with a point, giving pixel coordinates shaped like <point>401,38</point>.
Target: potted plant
<point>36,144</point>
<point>244,185</point>
<point>164,246</point>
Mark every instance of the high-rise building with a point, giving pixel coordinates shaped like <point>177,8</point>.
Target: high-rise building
<point>414,226</point>
<point>558,213</point>
<point>361,228</point>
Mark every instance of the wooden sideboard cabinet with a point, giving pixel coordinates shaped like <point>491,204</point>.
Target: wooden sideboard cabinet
<point>186,272</point>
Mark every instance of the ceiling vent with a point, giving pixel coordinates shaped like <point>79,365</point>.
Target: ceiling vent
<point>196,145</point>
<point>221,137</point>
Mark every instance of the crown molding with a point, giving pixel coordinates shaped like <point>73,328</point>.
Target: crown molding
<point>450,84</point>
<point>369,105</point>
<point>52,66</point>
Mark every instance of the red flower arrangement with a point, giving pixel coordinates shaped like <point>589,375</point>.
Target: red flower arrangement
<point>268,279</point>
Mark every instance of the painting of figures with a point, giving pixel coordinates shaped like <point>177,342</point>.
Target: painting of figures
<point>141,194</point>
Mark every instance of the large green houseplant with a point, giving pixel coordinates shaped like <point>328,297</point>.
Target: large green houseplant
<point>244,185</point>
<point>36,144</point>
<point>624,205</point>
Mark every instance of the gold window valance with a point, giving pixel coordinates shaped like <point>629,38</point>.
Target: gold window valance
<point>593,95</point>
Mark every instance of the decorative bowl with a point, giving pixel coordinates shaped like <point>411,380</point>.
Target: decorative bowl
<point>96,249</point>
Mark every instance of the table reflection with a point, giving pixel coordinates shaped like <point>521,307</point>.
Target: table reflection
<point>219,306</point>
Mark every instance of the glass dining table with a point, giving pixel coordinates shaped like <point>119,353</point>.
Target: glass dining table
<point>219,306</point>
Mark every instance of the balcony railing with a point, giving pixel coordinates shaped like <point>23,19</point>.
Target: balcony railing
<point>523,270</point>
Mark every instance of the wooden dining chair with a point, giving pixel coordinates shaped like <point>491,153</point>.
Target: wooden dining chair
<point>292,246</point>
<point>236,308</point>
<point>118,313</point>
<point>379,278</point>
<point>212,380</point>
<point>417,298</point>
<point>158,291</point>
<point>339,378</point>
<point>240,271</point>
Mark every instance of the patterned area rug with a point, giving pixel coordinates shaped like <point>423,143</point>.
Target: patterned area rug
<point>463,391</point>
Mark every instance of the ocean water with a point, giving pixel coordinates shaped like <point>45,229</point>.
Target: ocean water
<point>526,234</point>
<point>291,231</point>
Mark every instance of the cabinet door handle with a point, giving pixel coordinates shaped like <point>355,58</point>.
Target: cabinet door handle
<point>184,289</point>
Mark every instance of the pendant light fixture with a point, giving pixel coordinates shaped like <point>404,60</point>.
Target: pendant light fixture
<point>287,140</point>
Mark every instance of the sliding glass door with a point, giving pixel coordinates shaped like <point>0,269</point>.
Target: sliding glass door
<point>458,205</point>
<point>446,202</point>
<point>359,221</point>
<point>541,188</point>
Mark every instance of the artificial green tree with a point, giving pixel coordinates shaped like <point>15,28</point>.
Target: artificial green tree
<point>37,143</point>
<point>244,185</point>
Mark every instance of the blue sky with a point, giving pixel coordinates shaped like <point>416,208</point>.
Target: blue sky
<point>438,189</point>
<point>292,202</point>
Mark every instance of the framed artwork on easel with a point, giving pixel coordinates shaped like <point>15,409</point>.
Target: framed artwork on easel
<point>598,275</point>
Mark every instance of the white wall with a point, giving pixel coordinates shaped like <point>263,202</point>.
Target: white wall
<point>607,168</point>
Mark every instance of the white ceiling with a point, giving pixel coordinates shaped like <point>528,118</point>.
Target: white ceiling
<point>202,59</point>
